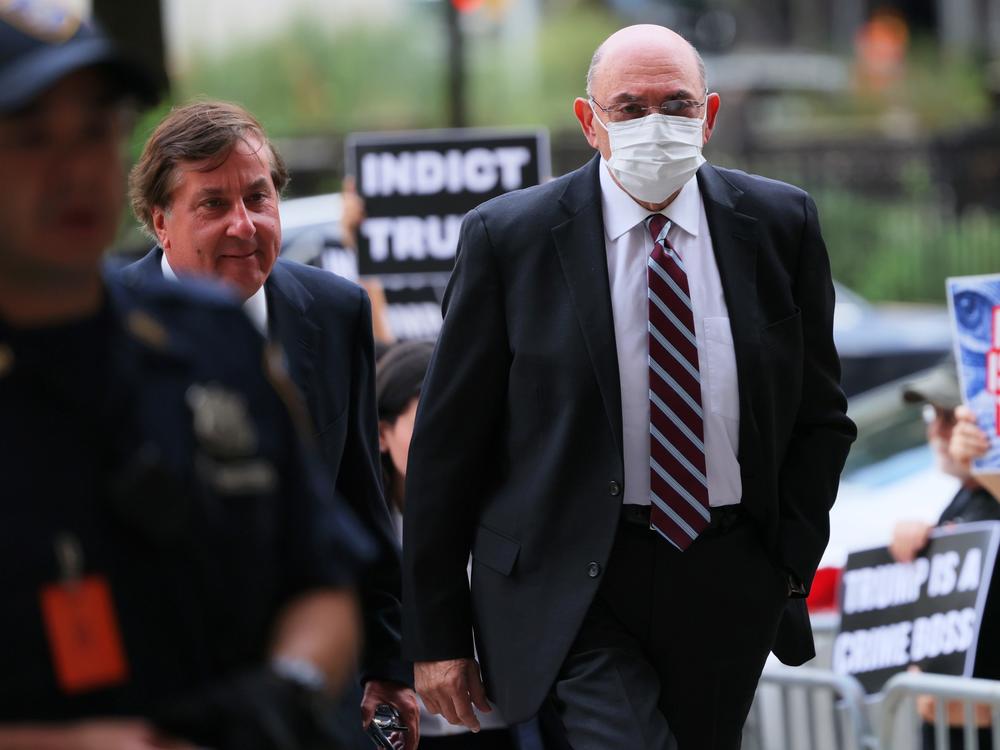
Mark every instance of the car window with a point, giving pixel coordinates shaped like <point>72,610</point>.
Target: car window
<point>886,427</point>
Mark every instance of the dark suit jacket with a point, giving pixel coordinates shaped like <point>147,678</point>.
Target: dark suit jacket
<point>323,324</point>
<point>517,452</point>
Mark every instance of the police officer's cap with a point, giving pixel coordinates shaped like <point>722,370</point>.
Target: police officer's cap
<point>42,42</point>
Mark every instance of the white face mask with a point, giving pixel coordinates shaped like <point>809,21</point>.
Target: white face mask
<point>653,156</point>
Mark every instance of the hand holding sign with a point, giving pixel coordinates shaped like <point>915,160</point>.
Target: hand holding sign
<point>418,186</point>
<point>352,213</point>
<point>928,610</point>
<point>974,303</point>
<point>968,441</point>
<point>908,540</point>
<point>416,189</point>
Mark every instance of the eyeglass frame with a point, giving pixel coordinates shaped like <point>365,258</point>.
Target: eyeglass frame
<point>644,111</point>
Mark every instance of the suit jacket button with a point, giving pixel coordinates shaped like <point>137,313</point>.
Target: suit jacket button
<point>594,569</point>
<point>614,488</point>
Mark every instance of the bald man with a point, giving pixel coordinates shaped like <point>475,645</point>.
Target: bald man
<point>633,419</point>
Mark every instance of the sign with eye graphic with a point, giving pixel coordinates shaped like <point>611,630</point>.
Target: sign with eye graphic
<point>974,302</point>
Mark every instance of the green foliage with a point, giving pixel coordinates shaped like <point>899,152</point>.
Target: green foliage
<point>940,90</point>
<point>903,249</point>
<point>534,81</point>
<point>307,79</point>
<point>933,92</point>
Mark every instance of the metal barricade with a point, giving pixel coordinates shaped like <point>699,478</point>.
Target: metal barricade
<point>808,709</point>
<point>903,690</point>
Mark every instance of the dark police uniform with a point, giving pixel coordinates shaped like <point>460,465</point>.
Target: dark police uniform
<point>145,453</point>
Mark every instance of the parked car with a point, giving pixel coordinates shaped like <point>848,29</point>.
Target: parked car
<point>881,343</point>
<point>309,226</point>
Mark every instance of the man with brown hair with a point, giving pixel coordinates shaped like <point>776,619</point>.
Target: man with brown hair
<point>207,186</point>
<point>178,190</point>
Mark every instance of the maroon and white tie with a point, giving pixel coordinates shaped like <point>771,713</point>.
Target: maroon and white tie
<point>678,480</point>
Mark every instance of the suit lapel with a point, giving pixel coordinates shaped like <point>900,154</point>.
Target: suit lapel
<point>288,304</point>
<point>580,244</point>
<point>734,239</point>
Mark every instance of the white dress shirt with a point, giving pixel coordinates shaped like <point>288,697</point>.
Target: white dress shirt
<point>255,307</point>
<point>628,246</point>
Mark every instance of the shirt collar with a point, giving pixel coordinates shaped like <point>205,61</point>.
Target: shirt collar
<point>168,272</point>
<point>622,213</point>
<point>255,307</point>
<point>256,310</point>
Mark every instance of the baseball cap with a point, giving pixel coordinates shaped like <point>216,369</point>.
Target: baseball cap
<point>41,42</point>
<point>937,386</point>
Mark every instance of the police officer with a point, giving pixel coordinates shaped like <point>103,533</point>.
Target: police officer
<point>171,570</point>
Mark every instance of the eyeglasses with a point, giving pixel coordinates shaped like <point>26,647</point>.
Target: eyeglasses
<point>931,413</point>
<point>634,110</point>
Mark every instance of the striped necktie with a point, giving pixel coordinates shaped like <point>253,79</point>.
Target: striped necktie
<point>678,480</point>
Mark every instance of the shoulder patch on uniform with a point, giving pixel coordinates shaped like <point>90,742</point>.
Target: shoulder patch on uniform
<point>222,421</point>
<point>47,20</point>
<point>145,328</point>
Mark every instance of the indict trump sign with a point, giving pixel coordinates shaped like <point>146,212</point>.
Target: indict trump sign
<point>927,612</point>
<point>418,186</point>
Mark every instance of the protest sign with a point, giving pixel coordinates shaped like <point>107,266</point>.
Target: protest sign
<point>926,612</point>
<point>418,186</point>
<point>414,311</point>
<point>974,303</point>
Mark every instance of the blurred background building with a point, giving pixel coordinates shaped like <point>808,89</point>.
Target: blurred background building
<point>888,111</point>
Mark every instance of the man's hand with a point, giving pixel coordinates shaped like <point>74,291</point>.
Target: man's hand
<point>352,212</point>
<point>908,539</point>
<point>400,697</point>
<point>450,688</point>
<point>968,441</point>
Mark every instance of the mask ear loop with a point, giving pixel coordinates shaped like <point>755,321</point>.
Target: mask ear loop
<point>590,103</point>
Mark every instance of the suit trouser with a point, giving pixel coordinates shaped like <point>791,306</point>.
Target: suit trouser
<point>673,639</point>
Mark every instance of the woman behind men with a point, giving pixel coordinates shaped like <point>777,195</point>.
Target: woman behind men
<point>399,377</point>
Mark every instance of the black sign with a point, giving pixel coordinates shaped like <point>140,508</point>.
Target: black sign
<point>414,311</point>
<point>926,612</point>
<point>418,186</point>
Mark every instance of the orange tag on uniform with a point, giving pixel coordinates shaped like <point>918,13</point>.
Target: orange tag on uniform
<point>83,635</point>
